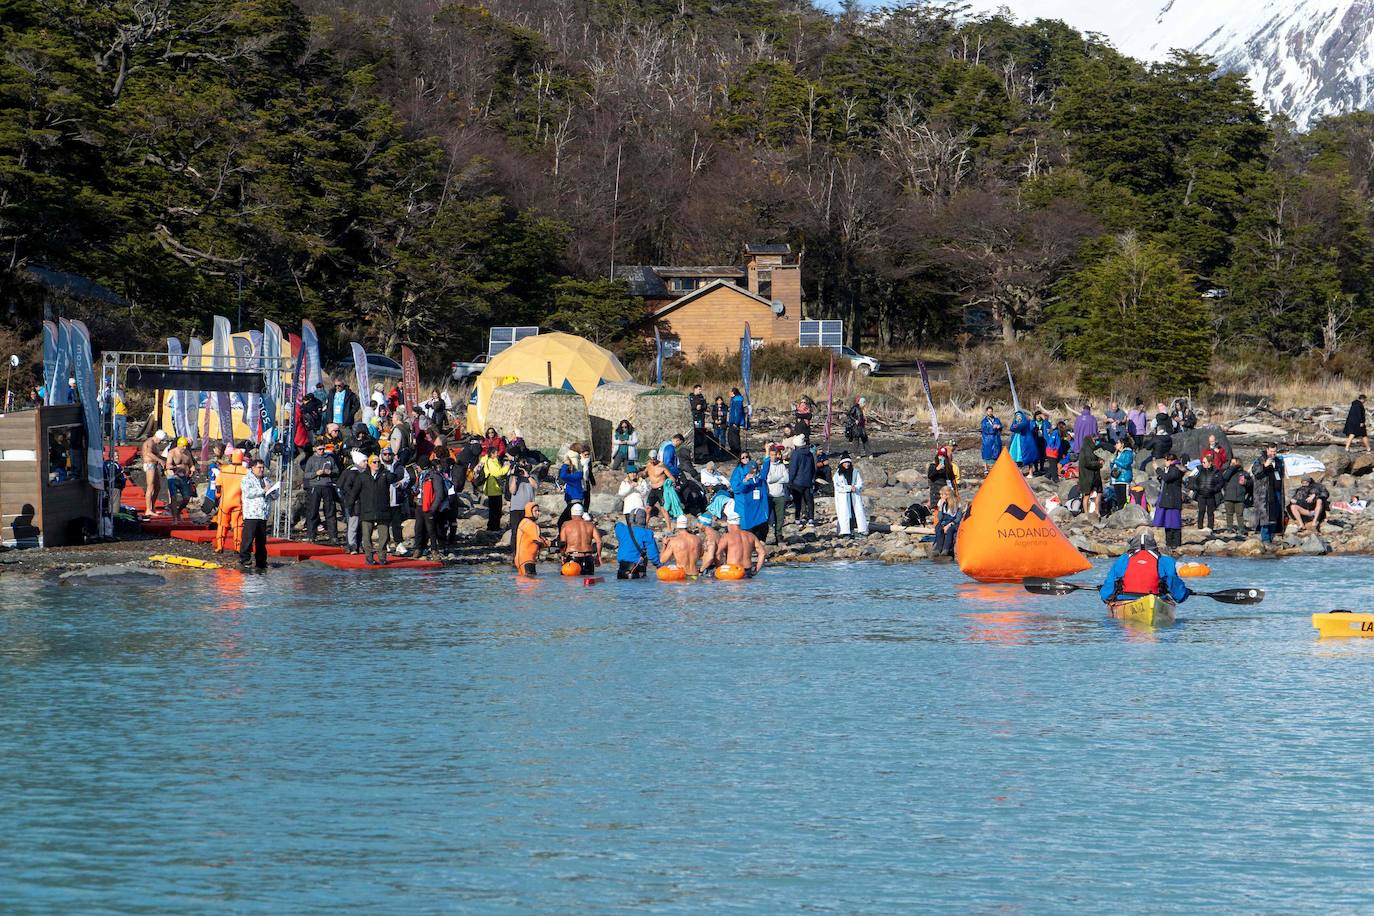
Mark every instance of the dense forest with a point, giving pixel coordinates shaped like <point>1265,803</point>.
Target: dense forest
<point>411,171</point>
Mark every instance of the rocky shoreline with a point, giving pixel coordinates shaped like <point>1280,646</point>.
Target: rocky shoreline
<point>895,478</point>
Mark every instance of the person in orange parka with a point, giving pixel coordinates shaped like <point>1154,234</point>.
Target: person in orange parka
<point>528,541</point>
<point>229,514</point>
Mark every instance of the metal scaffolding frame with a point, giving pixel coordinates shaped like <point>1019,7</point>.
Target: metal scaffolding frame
<point>277,384</point>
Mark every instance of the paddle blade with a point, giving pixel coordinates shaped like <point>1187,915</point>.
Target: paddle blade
<point>1237,595</point>
<point>1048,586</point>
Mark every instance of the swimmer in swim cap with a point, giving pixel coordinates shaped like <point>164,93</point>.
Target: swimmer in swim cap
<point>683,549</point>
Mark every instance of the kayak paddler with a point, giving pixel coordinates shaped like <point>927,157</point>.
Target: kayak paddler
<point>1143,570</point>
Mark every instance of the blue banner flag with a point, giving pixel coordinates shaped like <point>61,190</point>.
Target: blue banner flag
<point>746,358</point>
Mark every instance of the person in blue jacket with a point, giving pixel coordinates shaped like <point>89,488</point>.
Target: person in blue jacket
<point>1143,570</point>
<point>749,483</point>
<point>1023,448</point>
<point>991,428</point>
<point>737,421</point>
<point>636,547</point>
<point>574,486</point>
<point>801,478</point>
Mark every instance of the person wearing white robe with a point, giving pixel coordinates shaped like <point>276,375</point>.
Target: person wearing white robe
<point>849,498</point>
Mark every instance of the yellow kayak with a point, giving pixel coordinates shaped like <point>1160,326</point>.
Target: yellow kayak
<point>1154,610</point>
<point>1344,623</point>
<point>191,562</point>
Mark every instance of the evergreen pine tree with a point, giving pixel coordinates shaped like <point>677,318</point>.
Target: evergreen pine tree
<point>1141,315</point>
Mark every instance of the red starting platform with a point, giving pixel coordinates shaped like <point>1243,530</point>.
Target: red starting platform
<point>194,535</point>
<point>301,550</point>
<point>163,527</point>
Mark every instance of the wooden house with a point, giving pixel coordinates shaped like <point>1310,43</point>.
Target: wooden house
<point>45,497</point>
<point>703,310</point>
<point>712,319</point>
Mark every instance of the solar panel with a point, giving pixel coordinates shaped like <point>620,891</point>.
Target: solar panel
<point>501,338</point>
<point>820,333</point>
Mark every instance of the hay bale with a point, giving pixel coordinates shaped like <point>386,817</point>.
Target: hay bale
<point>657,413</point>
<point>548,418</point>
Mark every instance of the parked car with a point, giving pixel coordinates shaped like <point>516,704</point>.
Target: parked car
<point>864,365</point>
<point>378,366</point>
<point>466,373</point>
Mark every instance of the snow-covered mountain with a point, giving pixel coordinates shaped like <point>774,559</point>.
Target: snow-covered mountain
<point>1306,58</point>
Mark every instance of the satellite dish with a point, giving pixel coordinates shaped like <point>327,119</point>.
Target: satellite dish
<point>14,361</point>
<point>778,307</point>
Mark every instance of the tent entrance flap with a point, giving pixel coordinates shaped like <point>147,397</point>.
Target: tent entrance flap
<point>156,377</point>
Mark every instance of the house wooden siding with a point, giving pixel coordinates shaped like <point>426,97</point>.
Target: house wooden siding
<point>713,322</point>
<point>33,512</point>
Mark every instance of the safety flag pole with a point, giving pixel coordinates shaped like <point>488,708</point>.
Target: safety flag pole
<point>930,402</point>
<point>829,399</point>
<point>1015,401</point>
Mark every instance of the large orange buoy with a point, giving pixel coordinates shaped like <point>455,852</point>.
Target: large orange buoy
<point>572,568</point>
<point>1194,569</point>
<point>671,574</point>
<point>1006,534</point>
<point>729,572</point>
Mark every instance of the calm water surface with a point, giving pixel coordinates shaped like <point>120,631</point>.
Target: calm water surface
<point>852,738</point>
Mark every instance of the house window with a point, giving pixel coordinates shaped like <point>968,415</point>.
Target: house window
<point>766,282</point>
<point>66,454</point>
<point>682,284</point>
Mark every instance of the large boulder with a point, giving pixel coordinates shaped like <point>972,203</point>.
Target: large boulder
<point>1362,464</point>
<point>1257,431</point>
<point>1191,442</point>
<point>1336,459</point>
<point>117,576</point>
<point>1128,517</point>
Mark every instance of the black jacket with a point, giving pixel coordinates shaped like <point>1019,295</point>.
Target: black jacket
<point>350,483</point>
<point>362,441</point>
<point>1355,420</point>
<point>801,469</point>
<point>720,413</point>
<point>374,495</point>
<point>1206,484</point>
<point>1160,446</point>
<point>939,476</point>
<point>350,408</point>
<point>1171,488</point>
<point>698,405</point>
<point>1235,484</point>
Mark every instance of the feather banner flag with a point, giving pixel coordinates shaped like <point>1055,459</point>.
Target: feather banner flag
<point>746,358</point>
<point>410,379</point>
<point>224,408</point>
<point>57,391</point>
<point>49,359</point>
<point>930,401</point>
<point>83,370</point>
<point>360,372</point>
<point>1015,401</point>
<point>311,342</point>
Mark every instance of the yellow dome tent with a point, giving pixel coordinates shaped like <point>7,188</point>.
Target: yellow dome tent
<point>557,360</point>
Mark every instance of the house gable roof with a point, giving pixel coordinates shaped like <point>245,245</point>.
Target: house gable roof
<point>710,287</point>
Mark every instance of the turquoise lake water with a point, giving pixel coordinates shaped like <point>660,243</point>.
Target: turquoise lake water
<point>841,738</point>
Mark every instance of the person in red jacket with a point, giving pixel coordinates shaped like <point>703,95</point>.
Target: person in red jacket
<point>493,441</point>
<point>429,501</point>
